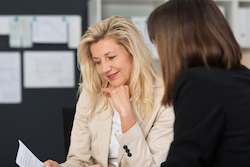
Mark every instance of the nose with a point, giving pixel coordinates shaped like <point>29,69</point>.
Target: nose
<point>106,67</point>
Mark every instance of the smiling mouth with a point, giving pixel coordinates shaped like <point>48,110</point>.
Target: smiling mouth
<point>110,76</point>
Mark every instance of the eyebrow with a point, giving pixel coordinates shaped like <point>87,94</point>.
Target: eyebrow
<point>104,54</point>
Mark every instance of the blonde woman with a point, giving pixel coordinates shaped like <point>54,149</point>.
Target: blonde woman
<point>119,118</point>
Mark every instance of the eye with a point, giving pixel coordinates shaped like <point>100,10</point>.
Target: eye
<point>112,57</point>
<point>97,62</point>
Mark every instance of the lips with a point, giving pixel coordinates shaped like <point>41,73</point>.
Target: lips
<point>112,75</point>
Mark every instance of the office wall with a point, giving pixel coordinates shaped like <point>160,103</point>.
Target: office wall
<point>37,121</point>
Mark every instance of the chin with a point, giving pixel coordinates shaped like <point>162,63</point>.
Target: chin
<point>116,84</point>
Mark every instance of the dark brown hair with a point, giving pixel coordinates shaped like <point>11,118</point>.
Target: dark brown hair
<point>190,33</point>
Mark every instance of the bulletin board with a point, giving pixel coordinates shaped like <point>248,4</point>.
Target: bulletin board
<point>37,119</point>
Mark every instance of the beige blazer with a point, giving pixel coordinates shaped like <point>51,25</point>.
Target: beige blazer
<point>148,140</point>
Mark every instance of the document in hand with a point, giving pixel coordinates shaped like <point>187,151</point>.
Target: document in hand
<point>25,158</point>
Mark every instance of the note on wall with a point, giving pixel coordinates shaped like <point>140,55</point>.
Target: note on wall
<point>49,29</point>
<point>4,25</point>
<point>20,32</point>
<point>10,77</point>
<point>75,31</point>
<point>24,30</point>
<point>49,69</point>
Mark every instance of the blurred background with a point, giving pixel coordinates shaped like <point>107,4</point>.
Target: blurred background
<point>38,70</point>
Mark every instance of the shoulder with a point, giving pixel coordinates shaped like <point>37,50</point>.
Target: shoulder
<point>217,76</point>
<point>197,82</point>
<point>158,91</point>
<point>200,75</point>
<point>160,109</point>
<point>200,72</point>
<point>201,81</point>
<point>192,77</point>
<point>158,86</point>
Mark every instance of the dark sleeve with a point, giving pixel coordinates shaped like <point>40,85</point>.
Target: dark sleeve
<point>199,121</point>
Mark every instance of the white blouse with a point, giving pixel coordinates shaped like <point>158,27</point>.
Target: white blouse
<point>116,130</point>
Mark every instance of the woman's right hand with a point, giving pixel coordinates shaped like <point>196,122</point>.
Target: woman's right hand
<point>50,163</point>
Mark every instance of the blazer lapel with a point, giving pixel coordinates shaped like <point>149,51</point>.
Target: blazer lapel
<point>104,131</point>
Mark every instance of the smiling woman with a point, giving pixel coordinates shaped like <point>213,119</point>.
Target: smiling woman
<point>119,118</point>
<point>113,61</point>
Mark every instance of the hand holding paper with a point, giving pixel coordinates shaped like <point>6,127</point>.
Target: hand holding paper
<point>50,163</point>
<point>25,158</point>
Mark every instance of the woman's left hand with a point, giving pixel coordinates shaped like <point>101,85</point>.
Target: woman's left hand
<point>121,98</point>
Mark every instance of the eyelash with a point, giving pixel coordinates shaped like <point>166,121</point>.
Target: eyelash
<point>98,62</point>
<point>110,58</point>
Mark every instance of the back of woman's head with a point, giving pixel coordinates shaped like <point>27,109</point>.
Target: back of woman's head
<point>191,33</point>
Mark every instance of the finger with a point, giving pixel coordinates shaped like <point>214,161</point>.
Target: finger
<point>106,94</point>
<point>47,163</point>
<point>107,90</point>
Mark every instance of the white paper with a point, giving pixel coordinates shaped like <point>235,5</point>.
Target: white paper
<point>49,29</point>
<point>26,29</point>
<point>10,77</point>
<point>25,158</point>
<point>75,31</point>
<point>4,25</point>
<point>20,32</point>
<point>25,23</point>
<point>49,69</point>
<point>15,33</point>
<point>141,23</point>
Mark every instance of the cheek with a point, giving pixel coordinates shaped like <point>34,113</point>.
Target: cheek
<point>98,69</point>
<point>129,69</point>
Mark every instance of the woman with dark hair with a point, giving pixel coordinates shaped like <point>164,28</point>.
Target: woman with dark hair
<point>205,82</point>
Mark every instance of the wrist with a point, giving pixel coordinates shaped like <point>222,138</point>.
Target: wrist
<point>126,112</point>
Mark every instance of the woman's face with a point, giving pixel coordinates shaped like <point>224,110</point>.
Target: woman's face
<point>113,61</point>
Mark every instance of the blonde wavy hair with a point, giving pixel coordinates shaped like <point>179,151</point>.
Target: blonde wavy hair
<point>143,75</point>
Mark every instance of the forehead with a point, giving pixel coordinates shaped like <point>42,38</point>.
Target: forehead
<point>104,47</point>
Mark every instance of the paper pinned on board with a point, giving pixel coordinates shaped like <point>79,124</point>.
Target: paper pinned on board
<point>25,158</point>
<point>10,78</point>
<point>20,32</point>
<point>24,30</point>
<point>49,69</point>
<point>49,29</point>
<point>75,31</point>
<point>4,25</point>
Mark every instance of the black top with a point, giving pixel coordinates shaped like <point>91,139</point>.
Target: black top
<point>212,126</point>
